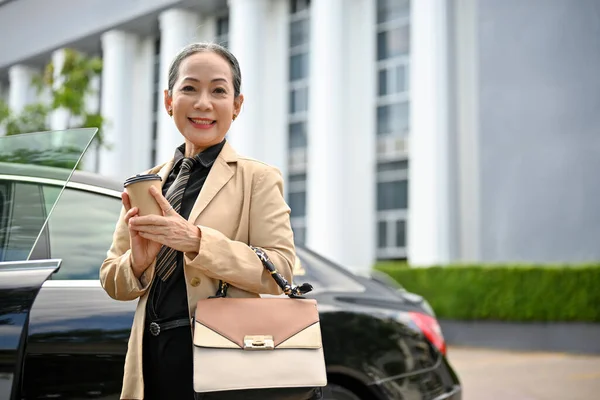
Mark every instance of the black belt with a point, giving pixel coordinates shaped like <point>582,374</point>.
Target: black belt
<point>155,328</point>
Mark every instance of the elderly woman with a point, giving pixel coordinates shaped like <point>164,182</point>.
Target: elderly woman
<point>215,204</point>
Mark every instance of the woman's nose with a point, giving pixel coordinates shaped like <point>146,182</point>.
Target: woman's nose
<point>202,102</point>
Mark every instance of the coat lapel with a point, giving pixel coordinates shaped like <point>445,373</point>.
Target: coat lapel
<point>220,173</point>
<point>164,171</point>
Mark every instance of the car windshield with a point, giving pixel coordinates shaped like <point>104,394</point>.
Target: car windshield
<point>26,160</point>
<point>323,274</point>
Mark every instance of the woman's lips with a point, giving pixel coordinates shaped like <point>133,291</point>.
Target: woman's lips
<point>201,123</point>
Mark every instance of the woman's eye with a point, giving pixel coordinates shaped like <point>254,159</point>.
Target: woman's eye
<point>187,88</point>
<point>220,90</point>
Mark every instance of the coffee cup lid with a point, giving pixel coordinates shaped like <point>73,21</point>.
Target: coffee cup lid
<point>141,177</point>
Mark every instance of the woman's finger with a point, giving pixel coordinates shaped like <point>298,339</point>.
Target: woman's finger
<point>149,220</point>
<point>126,201</point>
<point>154,237</point>
<point>154,229</point>
<point>162,201</point>
<point>130,214</point>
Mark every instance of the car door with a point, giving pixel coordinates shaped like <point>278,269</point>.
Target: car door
<point>77,334</point>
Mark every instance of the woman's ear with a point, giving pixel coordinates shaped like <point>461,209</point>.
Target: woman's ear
<point>168,103</point>
<point>237,104</point>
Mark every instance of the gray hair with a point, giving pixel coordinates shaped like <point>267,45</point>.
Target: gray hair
<point>194,48</point>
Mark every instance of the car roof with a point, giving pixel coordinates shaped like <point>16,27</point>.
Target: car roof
<point>56,173</point>
<point>89,178</point>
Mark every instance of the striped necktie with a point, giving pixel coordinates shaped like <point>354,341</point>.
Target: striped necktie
<point>166,260</point>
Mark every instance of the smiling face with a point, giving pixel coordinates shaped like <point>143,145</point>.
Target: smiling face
<point>203,101</point>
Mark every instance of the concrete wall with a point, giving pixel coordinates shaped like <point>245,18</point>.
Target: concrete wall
<point>30,29</point>
<point>539,129</point>
<point>38,26</point>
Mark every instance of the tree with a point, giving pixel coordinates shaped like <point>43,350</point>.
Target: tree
<point>67,91</point>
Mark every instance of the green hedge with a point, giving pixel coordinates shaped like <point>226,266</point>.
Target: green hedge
<point>505,293</point>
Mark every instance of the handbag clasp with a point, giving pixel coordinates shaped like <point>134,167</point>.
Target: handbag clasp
<point>258,342</point>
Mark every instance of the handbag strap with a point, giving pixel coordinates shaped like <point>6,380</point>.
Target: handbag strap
<point>288,290</point>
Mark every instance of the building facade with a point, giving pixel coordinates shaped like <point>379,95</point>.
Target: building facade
<point>357,101</point>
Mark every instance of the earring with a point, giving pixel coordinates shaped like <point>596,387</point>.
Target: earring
<point>234,117</point>
<point>170,112</point>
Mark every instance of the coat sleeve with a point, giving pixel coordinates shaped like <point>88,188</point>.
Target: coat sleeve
<point>269,228</point>
<point>116,274</point>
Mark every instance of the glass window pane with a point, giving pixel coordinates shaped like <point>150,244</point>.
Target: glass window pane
<point>299,235</point>
<point>298,138</point>
<point>381,234</point>
<point>392,166</point>
<point>22,216</point>
<point>298,66</point>
<point>398,84</point>
<point>82,249</point>
<point>393,119</point>
<point>392,80</point>
<point>299,31</point>
<point>297,178</point>
<point>389,10</point>
<point>383,82</point>
<point>223,26</point>
<point>298,100</point>
<point>323,274</point>
<point>299,5</point>
<point>393,43</point>
<point>297,202</point>
<point>392,195</point>
<point>400,233</point>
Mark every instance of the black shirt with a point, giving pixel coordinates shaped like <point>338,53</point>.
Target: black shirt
<point>168,300</point>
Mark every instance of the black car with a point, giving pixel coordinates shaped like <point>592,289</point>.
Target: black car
<point>62,337</point>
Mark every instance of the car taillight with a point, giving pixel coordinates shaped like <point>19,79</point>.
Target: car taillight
<point>431,329</point>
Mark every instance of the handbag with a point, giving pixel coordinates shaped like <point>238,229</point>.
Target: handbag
<point>258,348</point>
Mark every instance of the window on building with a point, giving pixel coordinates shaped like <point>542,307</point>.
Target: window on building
<point>222,34</point>
<point>297,114</point>
<point>393,126</point>
<point>392,205</point>
<point>297,6</point>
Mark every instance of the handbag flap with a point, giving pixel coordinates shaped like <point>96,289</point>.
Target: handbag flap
<point>226,322</point>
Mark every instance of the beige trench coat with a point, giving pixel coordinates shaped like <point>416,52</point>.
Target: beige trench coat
<point>241,203</point>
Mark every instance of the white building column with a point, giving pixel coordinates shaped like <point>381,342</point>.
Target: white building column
<point>341,150</point>
<point>119,54</point>
<point>326,160</point>
<point>207,29</point>
<point>359,137</point>
<point>59,119</point>
<point>429,195</point>
<point>3,98</point>
<point>91,161</point>
<point>178,28</point>
<point>247,33</point>
<point>3,91</point>
<point>21,91</point>
<point>274,90</point>
<point>143,108</point>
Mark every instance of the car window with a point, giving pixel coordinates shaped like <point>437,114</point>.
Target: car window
<point>81,228</point>
<point>22,216</point>
<point>322,274</point>
<point>4,221</point>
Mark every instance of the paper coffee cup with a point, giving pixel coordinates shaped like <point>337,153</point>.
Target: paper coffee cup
<point>138,189</point>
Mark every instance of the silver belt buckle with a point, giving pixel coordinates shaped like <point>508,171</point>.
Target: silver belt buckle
<point>154,329</point>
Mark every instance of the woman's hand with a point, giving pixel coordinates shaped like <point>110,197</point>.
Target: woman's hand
<point>171,229</point>
<point>143,251</point>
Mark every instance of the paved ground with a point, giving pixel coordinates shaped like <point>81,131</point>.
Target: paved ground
<point>494,375</point>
